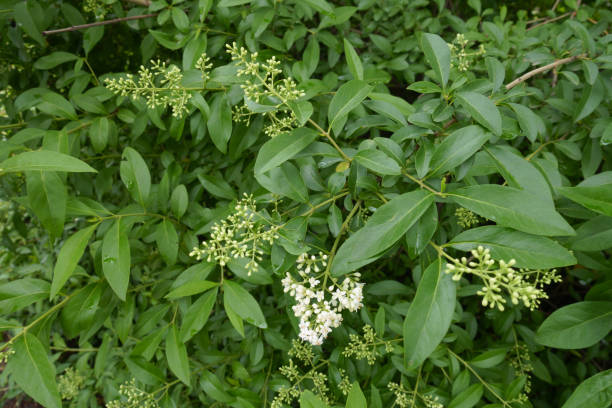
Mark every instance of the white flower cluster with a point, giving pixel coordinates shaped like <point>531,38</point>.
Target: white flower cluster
<point>318,307</point>
<point>238,236</point>
<point>523,285</point>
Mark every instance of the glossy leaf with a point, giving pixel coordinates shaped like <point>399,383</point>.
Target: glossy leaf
<point>176,354</point>
<point>457,148</point>
<point>429,315</point>
<point>438,55</point>
<point>135,175</point>
<point>594,392</point>
<point>33,372</point>
<point>116,259</point>
<point>383,229</point>
<point>482,109</point>
<point>514,208</point>
<point>243,303</point>
<point>529,251</point>
<point>576,326</point>
<point>282,148</point>
<point>69,256</point>
<point>44,160</point>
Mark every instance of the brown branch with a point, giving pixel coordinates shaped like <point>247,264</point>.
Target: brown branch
<point>545,68</point>
<point>550,20</point>
<point>98,23</point>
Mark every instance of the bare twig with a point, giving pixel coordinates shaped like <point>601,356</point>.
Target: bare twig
<point>550,20</point>
<point>555,5</point>
<point>545,68</point>
<point>576,11</point>
<point>98,23</point>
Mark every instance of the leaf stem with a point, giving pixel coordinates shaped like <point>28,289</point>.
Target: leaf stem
<point>486,384</point>
<point>422,184</point>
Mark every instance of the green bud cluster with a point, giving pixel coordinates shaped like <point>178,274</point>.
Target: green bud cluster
<point>521,285</point>
<point>133,397</point>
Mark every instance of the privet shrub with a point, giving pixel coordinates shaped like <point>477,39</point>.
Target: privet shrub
<point>257,203</point>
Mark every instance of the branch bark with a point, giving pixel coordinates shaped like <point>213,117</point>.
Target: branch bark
<point>545,68</point>
<point>98,23</point>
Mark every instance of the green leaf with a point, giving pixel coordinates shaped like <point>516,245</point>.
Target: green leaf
<point>419,235</point>
<point>594,392</point>
<point>89,104</point>
<point>383,229</point>
<point>437,52</point>
<point>217,186</point>
<point>116,259</point>
<point>17,294</point>
<point>282,148</point>
<point>214,388</point>
<point>176,353</point>
<point>378,162</point>
<point>243,303</point>
<point>353,61</point>
<point>197,315</point>
<point>220,122</point>
<point>231,3</point>
<point>576,326</point>
<point>429,315</point>
<point>144,371</point>
<point>596,198</point>
<point>482,109</point>
<point>347,98</point>
<point>593,235</point>
<point>23,17</point>
<point>179,200</point>
<point>457,148</point>
<point>468,397</point>
<point>519,172</point>
<point>424,87</point>
<point>56,105</point>
<point>54,59</point>
<point>285,181</point>
<point>99,132</point>
<point>514,208</point>
<point>235,320</point>
<point>309,400</point>
<point>591,99</point>
<point>530,123</point>
<point>355,398</point>
<point>320,5</point>
<point>180,19</point>
<point>302,110</point>
<point>167,241</point>
<point>33,372</point>
<point>68,258</point>
<point>529,251</point>
<point>78,314</point>
<point>490,358</point>
<point>191,288</point>
<point>44,160</point>
<point>135,175</point>
<point>47,197</point>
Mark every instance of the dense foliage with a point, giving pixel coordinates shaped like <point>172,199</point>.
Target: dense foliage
<point>261,203</point>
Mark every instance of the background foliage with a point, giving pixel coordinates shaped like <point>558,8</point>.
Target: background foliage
<point>389,153</point>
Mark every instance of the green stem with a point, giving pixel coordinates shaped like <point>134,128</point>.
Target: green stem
<point>40,318</point>
<point>483,382</point>
<point>422,184</point>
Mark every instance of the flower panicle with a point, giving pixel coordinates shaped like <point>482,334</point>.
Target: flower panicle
<point>520,285</point>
